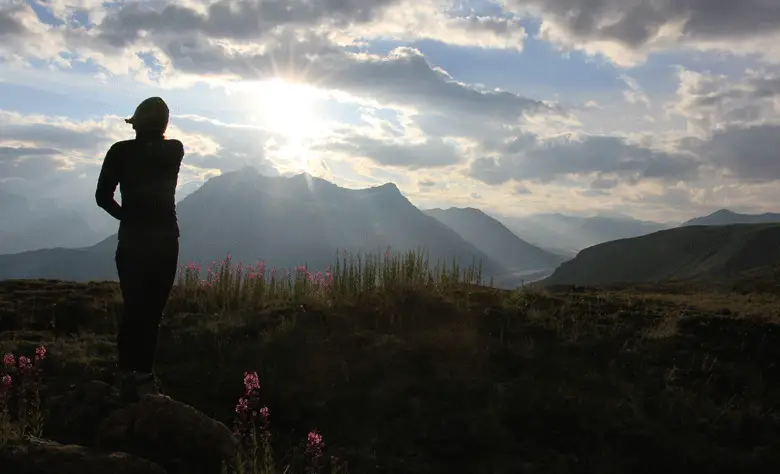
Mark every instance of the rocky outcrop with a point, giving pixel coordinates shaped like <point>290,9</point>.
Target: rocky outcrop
<point>173,434</point>
<point>38,456</point>
<point>91,422</point>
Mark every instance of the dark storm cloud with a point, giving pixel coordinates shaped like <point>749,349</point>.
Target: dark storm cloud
<point>233,19</point>
<point>746,153</point>
<point>545,162</point>
<point>9,24</point>
<point>634,22</point>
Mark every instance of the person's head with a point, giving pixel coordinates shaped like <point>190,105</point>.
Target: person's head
<point>151,116</point>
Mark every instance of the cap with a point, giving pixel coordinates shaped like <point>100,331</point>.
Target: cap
<point>153,110</point>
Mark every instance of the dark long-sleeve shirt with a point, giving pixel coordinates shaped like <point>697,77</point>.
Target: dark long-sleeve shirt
<point>146,171</point>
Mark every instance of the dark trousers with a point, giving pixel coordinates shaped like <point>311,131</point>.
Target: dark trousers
<point>146,277</point>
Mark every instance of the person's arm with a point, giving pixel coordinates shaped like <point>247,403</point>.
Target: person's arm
<point>107,183</point>
<point>179,147</point>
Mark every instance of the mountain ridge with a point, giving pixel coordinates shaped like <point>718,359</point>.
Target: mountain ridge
<point>286,221</point>
<point>700,253</point>
<point>728,217</point>
<point>495,239</point>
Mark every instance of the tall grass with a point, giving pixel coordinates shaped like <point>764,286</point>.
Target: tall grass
<point>227,285</point>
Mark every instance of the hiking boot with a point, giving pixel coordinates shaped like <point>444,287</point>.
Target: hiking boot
<point>134,385</point>
<point>147,383</point>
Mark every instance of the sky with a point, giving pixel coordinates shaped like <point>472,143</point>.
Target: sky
<point>657,109</point>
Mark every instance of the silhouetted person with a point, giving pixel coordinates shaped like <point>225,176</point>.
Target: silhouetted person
<point>146,170</point>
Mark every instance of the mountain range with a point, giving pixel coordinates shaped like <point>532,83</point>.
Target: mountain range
<point>292,221</point>
<point>569,234</point>
<point>288,221</point>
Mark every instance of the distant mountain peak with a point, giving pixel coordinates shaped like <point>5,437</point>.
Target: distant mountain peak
<point>390,186</point>
<point>721,212</point>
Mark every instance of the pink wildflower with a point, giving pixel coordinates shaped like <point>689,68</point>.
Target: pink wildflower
<point>9,361</point>
<point>314,444</point>
<point>251,382</point>
<point>264,414</point>
<point>40,354</point>
<point>24,364</point>
<point>243,406</point>
<point>261,267</point>
<point>308,276</point>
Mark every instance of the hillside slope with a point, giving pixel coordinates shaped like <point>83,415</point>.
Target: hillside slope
<point>704,253</point>
<point>726,217</point>
<point>492,237</point>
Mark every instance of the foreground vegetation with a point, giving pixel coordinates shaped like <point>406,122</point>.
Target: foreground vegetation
<point>393,365</point>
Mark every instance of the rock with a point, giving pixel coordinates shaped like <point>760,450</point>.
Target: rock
<point>38,456</point>
<point>74,417</point>
<point>170,433</point>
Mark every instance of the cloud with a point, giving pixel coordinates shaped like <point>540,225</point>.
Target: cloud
<point>611,157</point>
<point>634,94</point>
<point>232,19</point>
<point>429,153</point>
<point>301,40</point>
<point>747,153</point>
<point>627,30</point>
<point>87,137</point>
<point>602,183</point>
<point>711,102</point>
<point>27,162</point>
<point>10,25</point>
<point>38,148</point>
<point>401,78</point>
<point>522,190</point>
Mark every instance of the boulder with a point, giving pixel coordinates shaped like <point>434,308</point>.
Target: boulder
<point>170,433</point>
<point>38,456</point>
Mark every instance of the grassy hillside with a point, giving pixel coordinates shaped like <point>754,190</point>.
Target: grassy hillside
<point>702,253</point>
<point>404,368</point>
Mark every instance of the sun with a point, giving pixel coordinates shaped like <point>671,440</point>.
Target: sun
<point>290,111</point>
<point>286,108</point>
